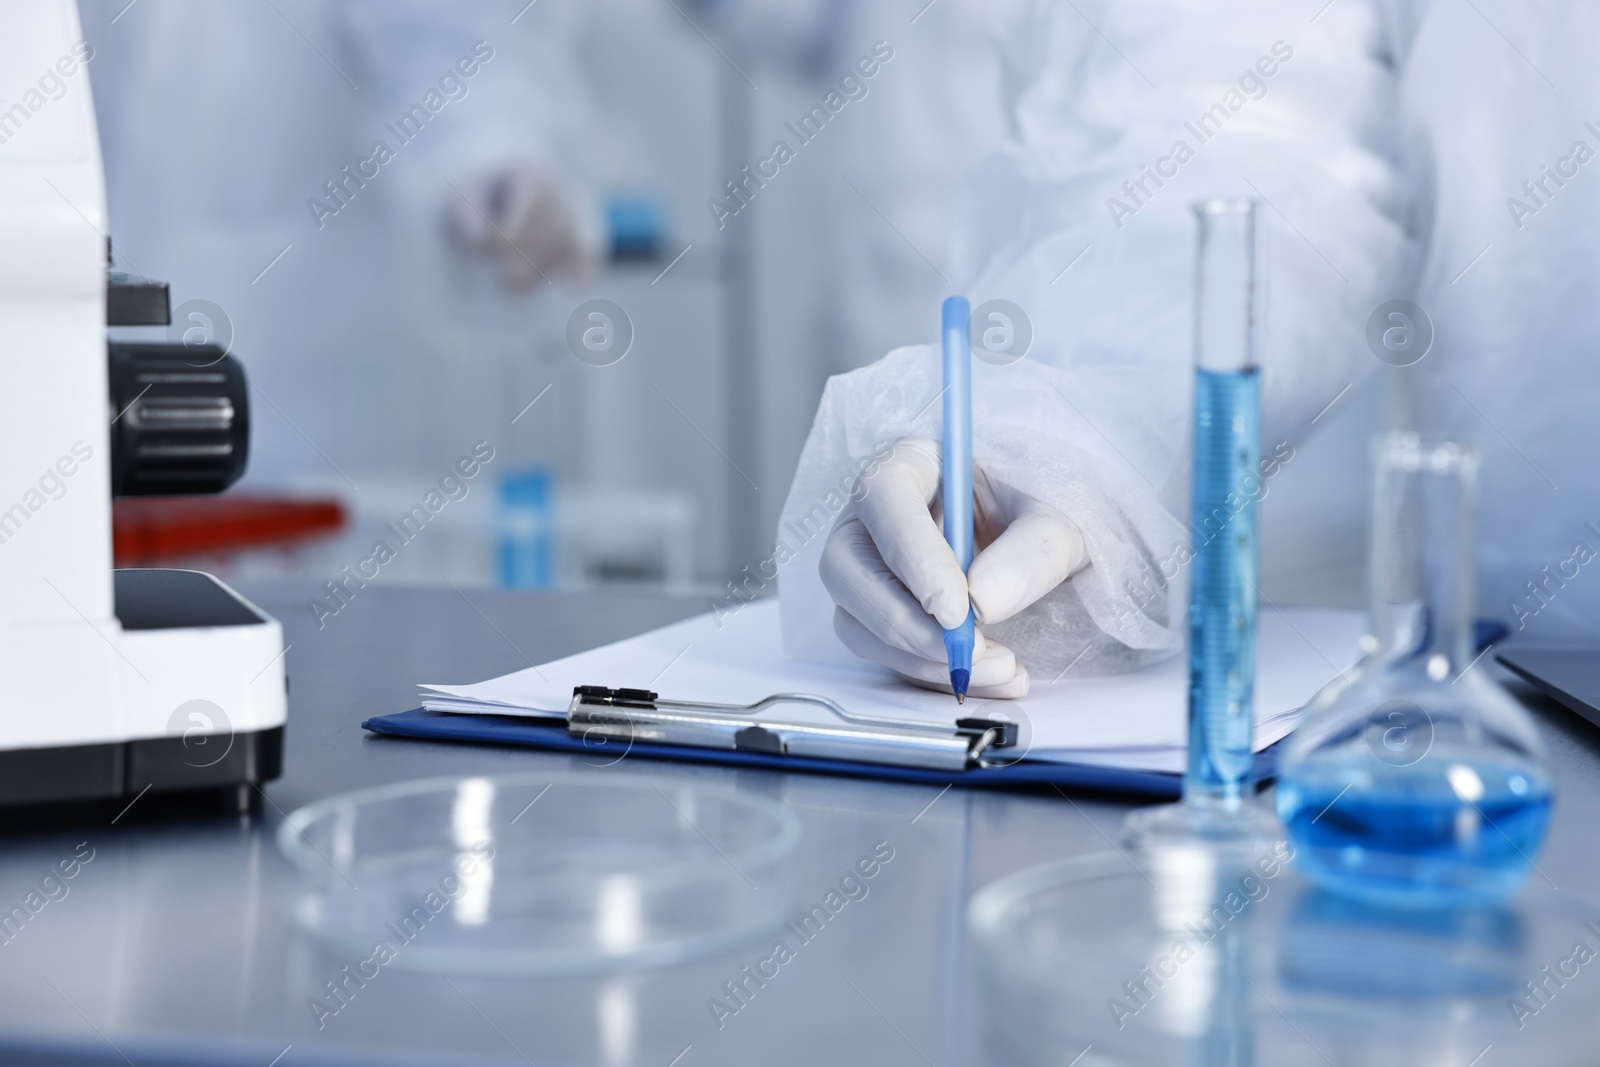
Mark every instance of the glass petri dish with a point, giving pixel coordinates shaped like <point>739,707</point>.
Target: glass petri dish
<point>1161,959</point>
<point>536,875</point>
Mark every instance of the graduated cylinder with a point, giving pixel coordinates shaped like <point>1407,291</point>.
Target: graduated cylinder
<point>1227,446</point>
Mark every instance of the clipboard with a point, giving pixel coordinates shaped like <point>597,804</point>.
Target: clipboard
<point>551,733</point>
<point>606,726</point>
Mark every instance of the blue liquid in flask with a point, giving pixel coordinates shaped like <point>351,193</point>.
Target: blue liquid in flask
<point>1446,831</point>
<point>1222,600</point>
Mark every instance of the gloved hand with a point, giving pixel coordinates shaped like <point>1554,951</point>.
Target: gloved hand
<point>517,215</point>
<point>897,585</point>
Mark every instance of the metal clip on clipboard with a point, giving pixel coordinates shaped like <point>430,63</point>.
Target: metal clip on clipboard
<point>641,715</point>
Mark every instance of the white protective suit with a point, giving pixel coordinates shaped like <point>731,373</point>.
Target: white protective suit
<point>1114,142</point>
<point>223,126</point>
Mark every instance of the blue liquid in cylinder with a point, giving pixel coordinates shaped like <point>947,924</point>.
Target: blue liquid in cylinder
<point>1222,597</point>
<point>1448,830</point>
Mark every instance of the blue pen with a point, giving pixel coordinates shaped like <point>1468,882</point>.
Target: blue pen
<point>958,475</point>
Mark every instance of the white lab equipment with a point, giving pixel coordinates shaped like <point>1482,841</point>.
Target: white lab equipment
<point>118,682</point>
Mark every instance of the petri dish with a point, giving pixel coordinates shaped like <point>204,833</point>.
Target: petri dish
<point>539,875</point>
<point>1176,958</point>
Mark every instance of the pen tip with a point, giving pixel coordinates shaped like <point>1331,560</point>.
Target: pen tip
<point>961,698</point>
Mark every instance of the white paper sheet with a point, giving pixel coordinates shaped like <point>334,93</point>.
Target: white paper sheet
<point>1135,721</point>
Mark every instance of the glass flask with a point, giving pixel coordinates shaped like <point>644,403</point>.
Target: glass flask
<point>1414,780</point>
<point>1219,776</point>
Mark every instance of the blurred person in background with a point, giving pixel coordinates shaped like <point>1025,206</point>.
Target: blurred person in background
<point>328,178</point>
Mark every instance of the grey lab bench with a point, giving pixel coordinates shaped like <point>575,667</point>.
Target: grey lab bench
<point>173,944</point>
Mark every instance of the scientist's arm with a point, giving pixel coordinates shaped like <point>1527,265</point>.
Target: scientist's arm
<point>1086,225</point>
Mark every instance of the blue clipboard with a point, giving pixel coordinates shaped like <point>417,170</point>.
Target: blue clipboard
<point>551,735</point>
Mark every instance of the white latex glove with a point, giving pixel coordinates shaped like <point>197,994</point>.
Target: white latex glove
<point>518,216</point>
<point>897,585</point>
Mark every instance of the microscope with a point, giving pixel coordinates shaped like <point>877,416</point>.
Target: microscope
<point>118,683</point>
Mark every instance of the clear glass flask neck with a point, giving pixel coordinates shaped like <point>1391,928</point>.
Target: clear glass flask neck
<point>1421,580</point>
